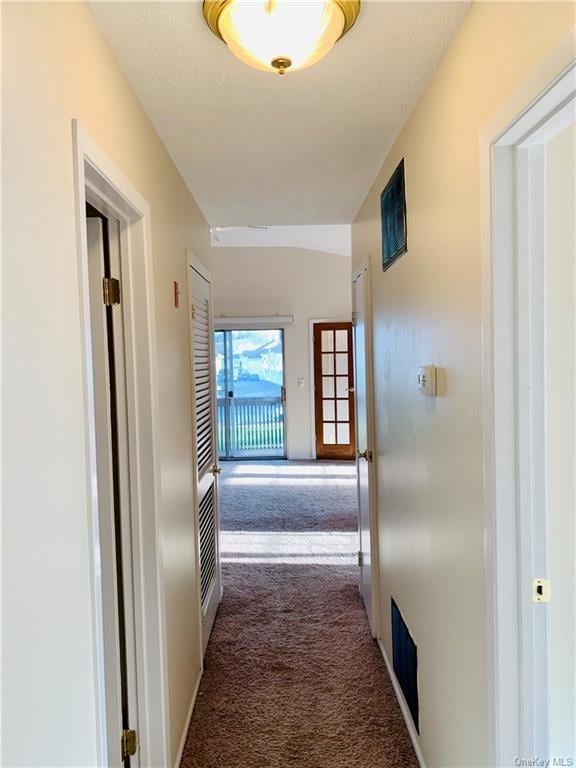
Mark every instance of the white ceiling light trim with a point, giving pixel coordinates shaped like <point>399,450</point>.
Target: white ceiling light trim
<point>328,238</point>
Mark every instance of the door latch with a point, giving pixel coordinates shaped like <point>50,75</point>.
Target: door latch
<point>541,589</point>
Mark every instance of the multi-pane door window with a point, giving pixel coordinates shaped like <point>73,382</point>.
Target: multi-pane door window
<point>334,399</point>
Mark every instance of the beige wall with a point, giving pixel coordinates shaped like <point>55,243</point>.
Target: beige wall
<point>56,66</point>
<point>561,434</point>
<point>427,310</point>
<point>286,281</point>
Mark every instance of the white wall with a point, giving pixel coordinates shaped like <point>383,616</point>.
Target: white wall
<point>286,281</point>
<point>427,309</point>
<point>561,435</point>
<point>56,67</point>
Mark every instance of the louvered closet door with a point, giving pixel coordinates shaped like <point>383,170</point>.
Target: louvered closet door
<point>204,381</point>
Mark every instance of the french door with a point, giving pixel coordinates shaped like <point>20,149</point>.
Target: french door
<point>251,393</point>
<point>334,391</point>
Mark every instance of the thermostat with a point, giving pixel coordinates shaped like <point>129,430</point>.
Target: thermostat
<point>427,380</point>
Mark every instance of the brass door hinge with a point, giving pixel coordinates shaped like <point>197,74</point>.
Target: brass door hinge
<point>110,291</point>
<point>360,558</point>
<point>129,744</point>
<point>354,318</point>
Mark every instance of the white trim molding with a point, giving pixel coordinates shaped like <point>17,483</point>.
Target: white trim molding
<point>272,322</point>
<point>504,141</point>
<point>97,178</point>
<point>403,706</point>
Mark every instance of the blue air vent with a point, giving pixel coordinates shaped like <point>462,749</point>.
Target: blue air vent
<point>405,663</point>
<point>393,211</point>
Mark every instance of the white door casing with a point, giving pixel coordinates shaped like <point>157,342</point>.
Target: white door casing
<point>205,445</point>
<point>99,182</point>
<point>366,468</point>
<point>515,317</point>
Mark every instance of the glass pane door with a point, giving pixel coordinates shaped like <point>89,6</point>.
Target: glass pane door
<point>334,391</point>
<point>250,379</point>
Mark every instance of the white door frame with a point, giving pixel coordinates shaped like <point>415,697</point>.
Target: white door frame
<point>513,717</point>
<point>364,268</point>
<point>99,180</point>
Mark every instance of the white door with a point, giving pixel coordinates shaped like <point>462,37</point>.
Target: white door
<point>205,453</point>
<point>368,545</point>
<point>113,488</point>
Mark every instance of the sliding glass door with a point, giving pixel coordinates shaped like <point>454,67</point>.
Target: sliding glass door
<point>251,394</point>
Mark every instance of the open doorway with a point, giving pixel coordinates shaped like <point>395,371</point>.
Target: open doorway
<point>251,394</point>
<point>113,473</point>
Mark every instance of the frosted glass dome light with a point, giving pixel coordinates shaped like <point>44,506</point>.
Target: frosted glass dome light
<point>280,35</point>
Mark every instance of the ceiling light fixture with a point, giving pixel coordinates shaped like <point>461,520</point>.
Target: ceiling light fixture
<point>280,35</point>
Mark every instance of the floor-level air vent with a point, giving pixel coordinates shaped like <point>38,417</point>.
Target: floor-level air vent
<point>207,546</point>
<point>405,663</point>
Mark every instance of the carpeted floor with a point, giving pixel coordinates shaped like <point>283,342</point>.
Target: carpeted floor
<point>292,676</point>
<point>288,496</point>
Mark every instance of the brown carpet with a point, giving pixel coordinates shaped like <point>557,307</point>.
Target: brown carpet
<point>289,496</point>
<point>292,676</point>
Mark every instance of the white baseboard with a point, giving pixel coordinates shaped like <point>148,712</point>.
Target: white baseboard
<point>188,720</point>
<point>404,707</point>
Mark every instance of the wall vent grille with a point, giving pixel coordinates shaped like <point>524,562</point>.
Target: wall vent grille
<point>405,663</point>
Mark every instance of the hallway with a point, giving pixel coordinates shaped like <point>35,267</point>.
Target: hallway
<point>292,675</point>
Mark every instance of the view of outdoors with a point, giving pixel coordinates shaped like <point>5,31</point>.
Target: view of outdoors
<point>249,378</point>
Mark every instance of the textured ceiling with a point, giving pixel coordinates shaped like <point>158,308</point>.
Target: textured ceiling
<point>256,148</point>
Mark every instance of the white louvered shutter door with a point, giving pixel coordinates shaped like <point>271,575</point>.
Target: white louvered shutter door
<point>203,372</point>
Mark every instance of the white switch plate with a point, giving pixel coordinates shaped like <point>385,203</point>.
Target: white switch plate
<point>427,380</point>
<point>300,383</point>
